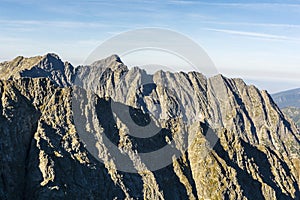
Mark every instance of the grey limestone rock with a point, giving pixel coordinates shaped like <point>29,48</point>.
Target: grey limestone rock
<point>46,154</point>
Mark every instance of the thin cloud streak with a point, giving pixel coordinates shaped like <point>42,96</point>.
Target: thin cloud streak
<point>64,24</point>
<point>262,74</point>
<point>246,5</point>
<point>255,34</point>
<point>270,25</point>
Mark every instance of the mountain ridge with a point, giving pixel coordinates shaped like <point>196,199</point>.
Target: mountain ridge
<point>289,103</point>
<point>49,65</point>
<point>256,156</point>
<point>289,98</point>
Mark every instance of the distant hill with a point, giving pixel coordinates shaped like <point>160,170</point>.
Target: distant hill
<point>290,98</point>
<point>289,103</point>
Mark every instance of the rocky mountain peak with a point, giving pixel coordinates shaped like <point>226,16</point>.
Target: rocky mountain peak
<point>52,56</point>
<point>47,66</point>
<point>113,62</point>
<point>56,139</point>
<point>11,68</point>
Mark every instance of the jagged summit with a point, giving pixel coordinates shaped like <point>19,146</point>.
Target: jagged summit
<point>52,55</point>
<point>21,62</point>
<point>108,60</point>
<point>11,68</point>
<point>48,66</point>
<point>52,67</point>
<point>112,62</point>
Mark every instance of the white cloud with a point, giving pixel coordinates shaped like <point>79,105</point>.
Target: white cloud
<point>63,24</point>
<point>270,25</point>
<point>255,34</point>
<point>233,4</point>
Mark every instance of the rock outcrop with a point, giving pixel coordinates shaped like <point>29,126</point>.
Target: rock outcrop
<point>60,128</point>
<point>293,113</point>
<point>48,66</point>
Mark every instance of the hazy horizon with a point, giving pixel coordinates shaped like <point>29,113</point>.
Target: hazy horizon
<point>254,40</point>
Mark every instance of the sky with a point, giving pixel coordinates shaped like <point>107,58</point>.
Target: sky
<point>258,41</point>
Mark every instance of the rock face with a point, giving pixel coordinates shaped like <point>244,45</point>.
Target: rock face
<point>293,113</point>
<point>58,126</point>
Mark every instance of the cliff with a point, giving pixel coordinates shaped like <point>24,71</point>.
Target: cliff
<point>64,135</point>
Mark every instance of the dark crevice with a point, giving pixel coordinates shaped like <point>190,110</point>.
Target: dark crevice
<point>187,171</point>
<point>170,184</point>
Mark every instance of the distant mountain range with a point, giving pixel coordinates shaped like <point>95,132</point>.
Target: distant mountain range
<point>289,103</point>
<point>290,98</point>
<point>60,128</point>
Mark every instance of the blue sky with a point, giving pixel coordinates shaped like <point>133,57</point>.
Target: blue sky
<point>258,41</point>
